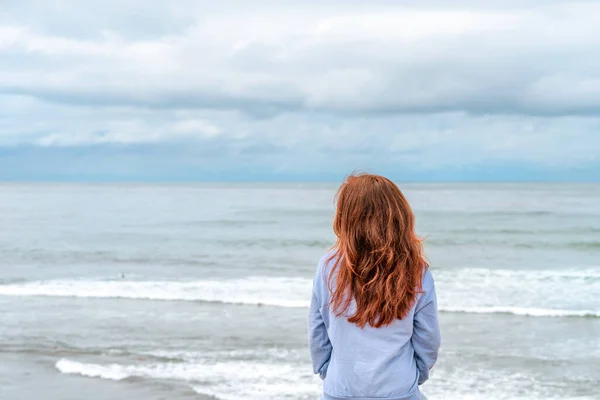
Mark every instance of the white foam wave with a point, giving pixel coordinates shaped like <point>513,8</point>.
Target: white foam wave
<point>229,380</point>
<point>271,380</point>
<point>282,292</point>
<point>112,372</point>
<point>535,293</point>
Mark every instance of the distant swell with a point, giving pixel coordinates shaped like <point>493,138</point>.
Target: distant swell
<point>524,311</point>
<point>505,241</point>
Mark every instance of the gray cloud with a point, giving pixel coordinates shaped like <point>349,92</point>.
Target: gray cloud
<point>300,87</point>
<point>537,60</point>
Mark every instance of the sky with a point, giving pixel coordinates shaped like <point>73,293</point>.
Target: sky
<point>195,90</point>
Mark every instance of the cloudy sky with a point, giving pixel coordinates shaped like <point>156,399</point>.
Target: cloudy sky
<point>299,90</point>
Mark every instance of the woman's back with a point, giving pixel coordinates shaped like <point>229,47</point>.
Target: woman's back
<point>380,346</point>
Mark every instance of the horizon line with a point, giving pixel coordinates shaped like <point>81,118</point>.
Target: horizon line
<point>296,181</point>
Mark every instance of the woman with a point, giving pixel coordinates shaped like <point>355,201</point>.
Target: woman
<point>373,325</point>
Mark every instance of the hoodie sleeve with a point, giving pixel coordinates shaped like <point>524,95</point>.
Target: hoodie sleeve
<point>426,338</point>
<point>318,340</point>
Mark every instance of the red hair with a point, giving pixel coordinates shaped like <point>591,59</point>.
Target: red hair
<point>379,260</point>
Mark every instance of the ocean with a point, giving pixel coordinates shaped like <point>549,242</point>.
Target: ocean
<point>200,291</point>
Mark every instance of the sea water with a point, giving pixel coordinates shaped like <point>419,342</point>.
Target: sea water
<point>201,290</point>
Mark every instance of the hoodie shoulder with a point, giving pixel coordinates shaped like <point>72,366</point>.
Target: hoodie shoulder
<point>428,282</point>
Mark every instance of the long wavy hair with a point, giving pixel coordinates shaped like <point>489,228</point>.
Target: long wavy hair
<point>379,260</point>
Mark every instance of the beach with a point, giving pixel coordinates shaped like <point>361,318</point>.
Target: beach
<point>200,291</point>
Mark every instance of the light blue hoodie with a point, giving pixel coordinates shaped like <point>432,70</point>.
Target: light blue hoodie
<point>372,363</point>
